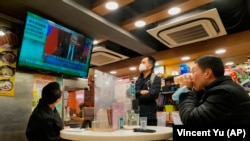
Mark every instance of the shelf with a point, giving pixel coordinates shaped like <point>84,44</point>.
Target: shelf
<point>169,78</point>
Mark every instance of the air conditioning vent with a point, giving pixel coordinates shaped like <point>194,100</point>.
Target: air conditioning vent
<point>102,56</point>
<point>183,36</point>
<point>197,28</point>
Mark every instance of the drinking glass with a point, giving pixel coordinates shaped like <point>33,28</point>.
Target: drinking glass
<point>143,122</point>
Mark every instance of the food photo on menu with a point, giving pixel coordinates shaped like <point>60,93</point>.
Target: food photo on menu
<point>6,85</point>
<point>7,57</point>
<point>8,39</point>
<point>7,71</point>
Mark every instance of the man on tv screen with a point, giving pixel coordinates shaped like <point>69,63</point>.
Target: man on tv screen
<point>68,50</point>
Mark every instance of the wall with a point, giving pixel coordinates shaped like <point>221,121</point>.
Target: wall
<point>89,95</point>
<point>15,111</point>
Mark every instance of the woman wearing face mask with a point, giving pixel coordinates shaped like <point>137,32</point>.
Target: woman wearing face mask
<point>147,89</point>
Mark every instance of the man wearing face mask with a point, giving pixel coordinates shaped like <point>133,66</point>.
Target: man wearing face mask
<point>147,88</point>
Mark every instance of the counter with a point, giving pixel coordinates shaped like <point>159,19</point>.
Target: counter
<point>118,135</point>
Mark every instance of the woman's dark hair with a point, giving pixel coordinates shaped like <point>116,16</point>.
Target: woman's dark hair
<point>51,92</point>
<point>152,61</point>
<point>213,63</point>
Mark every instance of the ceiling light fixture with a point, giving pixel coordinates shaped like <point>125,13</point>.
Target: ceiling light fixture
<point>2,33</point>
<point>113,72</point>
<point>95,42</point>
<point>140,23</point>
<point>132,68</point>
<point>229,63</point>
<point>185,58</point>
<point>111,5</point>
<point>135,78</point>
<point>174,11</point>
<point>220,51</point>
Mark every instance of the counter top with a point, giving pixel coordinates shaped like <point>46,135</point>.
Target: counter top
<point>117,135</point>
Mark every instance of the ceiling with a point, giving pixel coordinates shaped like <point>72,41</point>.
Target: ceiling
<point>115,30</point>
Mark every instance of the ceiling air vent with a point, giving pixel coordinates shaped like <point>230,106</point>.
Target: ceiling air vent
<point>102,56</point>
<point>196,28</point>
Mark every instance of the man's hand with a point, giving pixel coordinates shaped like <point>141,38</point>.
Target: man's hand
<point>143,92</point>
<point>185,80</point>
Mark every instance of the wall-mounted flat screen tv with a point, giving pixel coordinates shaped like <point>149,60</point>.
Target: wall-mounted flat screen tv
<point>50,46</point>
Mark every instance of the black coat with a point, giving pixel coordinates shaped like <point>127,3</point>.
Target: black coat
<point>147,102</point>
<point>223,102</point>
<point>44,124</point>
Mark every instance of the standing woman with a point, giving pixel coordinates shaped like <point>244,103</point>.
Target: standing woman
<point>45,123</point>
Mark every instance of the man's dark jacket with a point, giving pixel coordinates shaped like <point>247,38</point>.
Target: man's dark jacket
<point>147,102</point>
<point>44,124</point>
<point>223,102</point>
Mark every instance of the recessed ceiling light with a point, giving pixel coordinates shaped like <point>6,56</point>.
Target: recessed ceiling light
<point>132,68</point>
<point>157,64</point>
<point>95,42</point>
<point>111,5</point>
<point>140,23</point>
<point>2,33</point>
<point>229,63</point>
<point>113,72</point>
<point>220,51</point>
<point>185,58</point>
<point>174,11</point>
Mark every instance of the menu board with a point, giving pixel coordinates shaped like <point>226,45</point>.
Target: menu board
<point>39,82</point>
<point>9,40</point>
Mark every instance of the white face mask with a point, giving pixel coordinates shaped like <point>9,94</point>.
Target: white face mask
<point>142,67</point>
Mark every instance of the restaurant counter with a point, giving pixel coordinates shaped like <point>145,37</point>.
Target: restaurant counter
<point>77,134</point>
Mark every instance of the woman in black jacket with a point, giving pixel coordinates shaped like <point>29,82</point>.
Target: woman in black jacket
<point>214,99</point>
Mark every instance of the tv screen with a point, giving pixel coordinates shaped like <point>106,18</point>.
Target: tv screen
<point>50,46</point>
<point>159,70</point>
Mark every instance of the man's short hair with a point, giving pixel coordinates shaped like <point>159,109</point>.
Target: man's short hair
<point>51,92</point>
<point>151,60</point>
<point>211,62</point>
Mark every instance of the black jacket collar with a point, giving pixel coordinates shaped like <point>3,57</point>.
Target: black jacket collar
<point>45,106</point>
<point>218,81</point>
<point>142,76</point>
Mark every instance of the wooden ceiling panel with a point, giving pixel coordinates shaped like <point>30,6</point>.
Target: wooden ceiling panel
<point>160,13</point>
<point>99,6</point>
<point>236,45</point>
